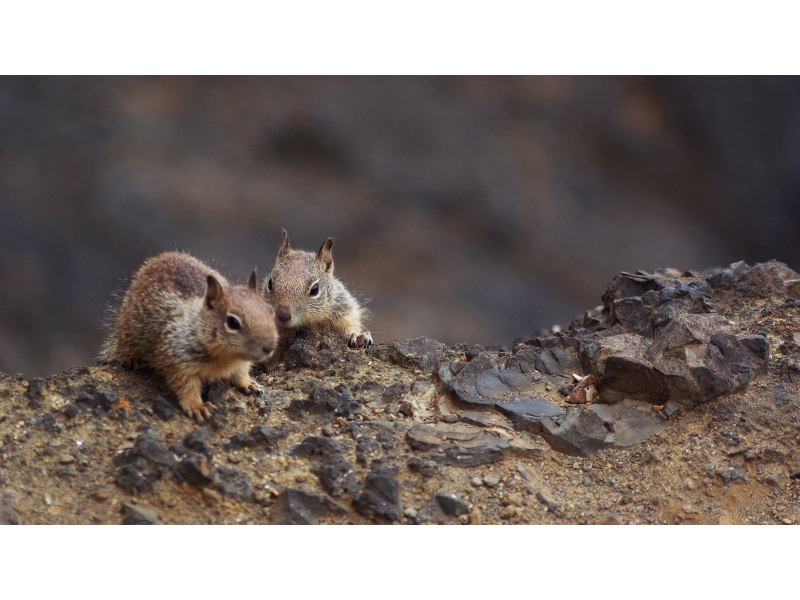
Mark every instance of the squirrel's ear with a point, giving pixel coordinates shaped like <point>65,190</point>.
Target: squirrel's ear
<point>324,255</point>
<point>213,291</point>
<point>252,283</point>
<point>285,244</point>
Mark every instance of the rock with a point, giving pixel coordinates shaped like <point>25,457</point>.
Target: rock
<point>491,480</point>
<point>138,515</point>
<point>373,438</point>
<point>199,440</point>
<point>194,468</point>
<point>781,395</point>
<point>485,419</point>
<point>451,504</point>
<point>527,414</point>
<point>733,473</point>
<point>421,353</point>
<point>632,314</point>
<point>509,512</point>
<point>267,435</point>
<point>337,477</point>
<point>314,446</point>
<point>299,507</point>
<point>306,350</point>
<point>336,401</point>
<point>162,408</point>
<point>777,480</point>
<point>583,432</point>
<point>391,397</point>
<point>153,449</point>
<point>549,355</point>
<point>8,513</point>
<point>380,496</point>
<point>537,487</point>
<point>457,445</point>
<point>234,484</point>
<point>482,383</point>
<point>795,474</point>
<point>634,422</point>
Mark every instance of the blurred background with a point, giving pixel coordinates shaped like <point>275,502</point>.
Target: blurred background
<point>466,209</point>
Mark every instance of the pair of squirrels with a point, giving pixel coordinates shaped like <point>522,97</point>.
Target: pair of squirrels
<point>185,321</point>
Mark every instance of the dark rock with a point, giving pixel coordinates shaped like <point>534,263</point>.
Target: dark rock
<point>240,440</point>
<point>138,515</point>
<point>314,446</point>
<point>337,477</point>
<point>391,397</point>
<point>233,484</point>
<point>527,414</point>
<point>8,512</point>
<point>380,496</point>
<point>795,474</point>
<point>153,450</point>
<point>765,280</point>
<point>267,435</point>
<point>105,400</point>
<point>199,440</point>
<point>298,507</point>
<point>194,468</point>
<point>162,408</point>
<point>70,411</point>
<point>733,473</point>
<point>421,353</point>
<point>480,383</point>
<point>337,401</point>
<point>723,279</point>
<point>457,445</point>
<point>633,315</point>
<point>451,504</point>
<point>138,476</point>
<point>314,351</point>
<point>414,463</point>
<point>583,432</point>
<point>634,422</point>
<point>548,355</point>
<point>373,438</point>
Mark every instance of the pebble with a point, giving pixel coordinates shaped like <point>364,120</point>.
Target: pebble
<point>476,481</point>
<point>687,483</point>
<point>66,459</point>
<point>410,512</point>
<point>508,512</point>
<point>211,496</point>
<point>101,495</point>
<point>491,480</point>
<point>48,500</point>
<point>514,498</point>
<point>448,418</point>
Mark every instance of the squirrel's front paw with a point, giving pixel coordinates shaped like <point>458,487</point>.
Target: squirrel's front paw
<point>198,411</point>
<point>252,388</point>
<point>360,340</point>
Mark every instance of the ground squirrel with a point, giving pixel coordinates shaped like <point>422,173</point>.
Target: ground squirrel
<point>305,293</point>
<point>185,321</point>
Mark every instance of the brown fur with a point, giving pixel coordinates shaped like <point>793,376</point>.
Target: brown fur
<point>288,287</point>
<point>175,319</point>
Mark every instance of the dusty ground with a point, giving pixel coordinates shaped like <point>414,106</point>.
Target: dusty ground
<point>329,445</point>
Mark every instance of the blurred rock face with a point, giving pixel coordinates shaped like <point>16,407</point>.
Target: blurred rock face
<point>466,209</point>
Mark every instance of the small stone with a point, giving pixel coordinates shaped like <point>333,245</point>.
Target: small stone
<point>66,459</point>
<point>508,512</point>
<point>211,496</point>
<point>687,483</point>
<point>491,480</point>
<point>514,498</point>
<point>475,517</point>
<point>101,495</point>
<point>138,515</point>
<point>410,512</point>
<point>451,504</point>
<point>448,418</point>
<point>476,481</point>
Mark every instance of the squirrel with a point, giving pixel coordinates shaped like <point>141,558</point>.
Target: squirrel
<point>305,293</point>
<point>184,320</point>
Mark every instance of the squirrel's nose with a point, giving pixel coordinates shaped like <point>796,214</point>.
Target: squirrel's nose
<point>283,313</point>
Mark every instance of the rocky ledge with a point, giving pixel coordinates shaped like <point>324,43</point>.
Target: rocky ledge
<point>674,401</point>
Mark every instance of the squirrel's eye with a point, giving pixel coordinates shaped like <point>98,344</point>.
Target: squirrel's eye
<point>233,323</point>
<point>314,290</point>
<point>269,284</point>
